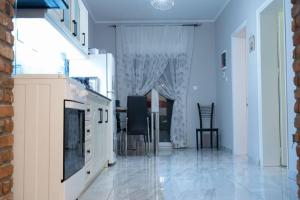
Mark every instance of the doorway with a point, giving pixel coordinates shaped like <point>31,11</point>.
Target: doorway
<point>240,90</point>
<point>272,84</point>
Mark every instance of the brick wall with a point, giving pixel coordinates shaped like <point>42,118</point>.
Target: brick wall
<point>296,67</point>
<point>6,98</point>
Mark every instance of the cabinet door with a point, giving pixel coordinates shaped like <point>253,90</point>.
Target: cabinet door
<point>106,132</point>
<point>75,19</point>
<point>62,16</point>
<point>98,140</point>
<point>66,16</point>
<point>84,26</point>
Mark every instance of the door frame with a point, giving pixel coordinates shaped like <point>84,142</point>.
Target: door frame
<point>234,74</point>
<point>259,12</point>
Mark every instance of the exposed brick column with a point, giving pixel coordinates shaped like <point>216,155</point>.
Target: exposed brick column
<point>6,98</point>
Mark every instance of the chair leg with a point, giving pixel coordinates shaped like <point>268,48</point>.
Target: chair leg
<point>197,140</point>
<point>211,139</point>
<point>217,139</point>
<point>145,143</point>
<point>201,139</point>
<point>126,137</point>
<point>125,144</point>
<point>148,137</point>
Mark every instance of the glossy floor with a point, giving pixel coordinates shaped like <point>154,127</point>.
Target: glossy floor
<point>188,175</point>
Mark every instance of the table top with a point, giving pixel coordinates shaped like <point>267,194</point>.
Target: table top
<point>121,109</point>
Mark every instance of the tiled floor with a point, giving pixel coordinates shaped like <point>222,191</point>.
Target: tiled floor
<point>188,175</point>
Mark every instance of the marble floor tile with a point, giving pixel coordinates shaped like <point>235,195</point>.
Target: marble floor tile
<point>190,175</point>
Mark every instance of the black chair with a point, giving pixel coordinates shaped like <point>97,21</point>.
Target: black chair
<point>206,112</point>
<point>137,119</point>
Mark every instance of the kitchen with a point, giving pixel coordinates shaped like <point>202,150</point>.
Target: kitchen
<point>64,102</point>
<point>68,69</point>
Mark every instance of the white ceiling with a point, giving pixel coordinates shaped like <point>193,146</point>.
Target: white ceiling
<point>141,11</point>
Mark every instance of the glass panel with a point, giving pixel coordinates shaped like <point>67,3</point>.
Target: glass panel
<point>165,116</point>
<point>73,142</point>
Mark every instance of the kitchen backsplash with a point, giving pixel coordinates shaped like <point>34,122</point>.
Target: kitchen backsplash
<point>31,61</point>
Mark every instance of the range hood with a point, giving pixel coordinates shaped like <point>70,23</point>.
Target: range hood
<point>62,4</point>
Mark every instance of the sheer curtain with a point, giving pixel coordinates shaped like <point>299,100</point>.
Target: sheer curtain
<point>157,57</point>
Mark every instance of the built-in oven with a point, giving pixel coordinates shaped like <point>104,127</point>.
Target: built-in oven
<point>74,137</point>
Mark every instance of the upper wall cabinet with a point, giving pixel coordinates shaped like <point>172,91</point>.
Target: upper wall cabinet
<point>73,21</point>
<point>76,19</point>
<point>84,27</point>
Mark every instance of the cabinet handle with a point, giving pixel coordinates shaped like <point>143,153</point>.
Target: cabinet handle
<point>106,116</point>
<point>63,16</point>
<point>88,172</point>
<point>101,116</point>
<point>88,130</point>
<point>88,151</point>
<point>83,34</point>
<point>88,110</point>
<point>75,28</point>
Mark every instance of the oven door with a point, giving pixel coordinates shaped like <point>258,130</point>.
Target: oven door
<point>74,138</point>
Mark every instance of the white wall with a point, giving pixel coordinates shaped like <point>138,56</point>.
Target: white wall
<point>91,32</point>
<point>237,12</point>
<point>203,76</point>
<point>104,38</point>
<point>203,73</point>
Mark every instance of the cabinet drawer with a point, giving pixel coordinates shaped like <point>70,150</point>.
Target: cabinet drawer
<point>88,172</point>
<point>88,151</point>
<point>88,112</point>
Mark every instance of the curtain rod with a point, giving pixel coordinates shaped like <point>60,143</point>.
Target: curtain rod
<point>194,25</point>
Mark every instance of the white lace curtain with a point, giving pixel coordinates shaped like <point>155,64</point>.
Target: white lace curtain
<point>157,57</point>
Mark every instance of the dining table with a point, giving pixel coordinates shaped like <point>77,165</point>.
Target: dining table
<point>154,128</point>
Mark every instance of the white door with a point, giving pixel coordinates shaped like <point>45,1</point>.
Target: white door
<point>240,91</point>
<point>271,59</point>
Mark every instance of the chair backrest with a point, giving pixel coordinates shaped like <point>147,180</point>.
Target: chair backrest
<point>206,112</point>
<point>137,115</point>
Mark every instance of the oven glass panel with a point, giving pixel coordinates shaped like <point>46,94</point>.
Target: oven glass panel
<point>74,131</point>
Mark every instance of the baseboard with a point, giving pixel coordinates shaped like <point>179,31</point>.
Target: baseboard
<point>223,148</point>
<point>165,145</point>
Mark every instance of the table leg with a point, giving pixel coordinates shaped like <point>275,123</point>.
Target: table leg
<point>197,140</point>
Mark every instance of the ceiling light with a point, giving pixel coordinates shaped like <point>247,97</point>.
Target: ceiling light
<point>162,4</point>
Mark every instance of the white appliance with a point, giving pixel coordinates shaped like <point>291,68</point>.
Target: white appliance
<point>102,66</point>
<point>111,94</point>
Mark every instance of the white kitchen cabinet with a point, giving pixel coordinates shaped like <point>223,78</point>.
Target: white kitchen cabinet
<point>39,138</point>
<point>62,16</point>
<point>84,25</point>
<point>75,18</point>
<point>73,22</point>
<point>98,139</point>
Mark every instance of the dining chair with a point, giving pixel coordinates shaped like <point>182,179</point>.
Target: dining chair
<point>206,112</point>
<point>137,120</point>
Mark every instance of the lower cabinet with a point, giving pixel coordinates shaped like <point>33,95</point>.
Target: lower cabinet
<point>96,153</point>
